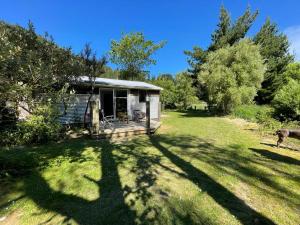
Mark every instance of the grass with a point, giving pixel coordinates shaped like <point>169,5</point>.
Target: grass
<point>196,170</point>
<point>250,112</point>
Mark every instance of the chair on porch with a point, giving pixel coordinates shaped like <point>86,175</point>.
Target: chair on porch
<point>138,115</point>
<point>106,121</point>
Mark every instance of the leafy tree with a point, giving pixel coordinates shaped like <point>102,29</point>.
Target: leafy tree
<point>287,99</point>
<point>184,91</point>
<point>110,73</point>
<point>274,48</point>
<point>31,65</point>
<point>165,76</point>
<point>227,33</point>
<point>93,67</point>
<point>168,95</point>
<point>232,75</point>
<point>292,72</point>
<point>132,54</point>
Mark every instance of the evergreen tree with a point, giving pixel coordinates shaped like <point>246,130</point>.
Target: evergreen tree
<point>227,33</point>
<point>274,49</point>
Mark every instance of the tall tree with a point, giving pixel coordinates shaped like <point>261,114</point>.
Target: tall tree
<point>274,47</point>
<point>132,54</point>
<point>93,68</point>
<point>226,33</point>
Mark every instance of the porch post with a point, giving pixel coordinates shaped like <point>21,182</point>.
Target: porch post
<point>148,115</point>
<point>95,123</point>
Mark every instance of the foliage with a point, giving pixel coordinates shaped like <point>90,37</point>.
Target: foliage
<point>227,33</point>
<point>40,127</point>
<point>292,72</point>
<point>252,111</point>
<point>32,64</point>
<point>109,73</point>
<point>267,124</point>
<point>274,48</point>
<point>167,95</point>
<point>93,67</point>
<point>232,75</point>
<point>287,101</point>
<point>184,91</point>
<point>176,93</point>
<point>132,54</point>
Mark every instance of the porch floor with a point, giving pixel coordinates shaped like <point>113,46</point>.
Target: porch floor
<point>123,129</point>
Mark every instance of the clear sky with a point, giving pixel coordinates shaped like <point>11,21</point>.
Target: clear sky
<point>182,23</point>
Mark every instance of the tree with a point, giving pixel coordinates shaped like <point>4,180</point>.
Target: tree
<point>33,65</point>
<point>232,75</point>
<point>184,91</point>
<point>93,68</point>
<point>287,99</point>
<point>168,95</point>
<point>110,73</point>
<point>274,48</point>
<point>132,54</point>
<point>227,33</point>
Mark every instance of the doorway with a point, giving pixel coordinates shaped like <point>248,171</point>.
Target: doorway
<point>107,102</point>
<point>121,102</point>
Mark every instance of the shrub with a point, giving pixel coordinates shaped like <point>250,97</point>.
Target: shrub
<point>250,112</point>
<point>287,101</point>
<point>42,126</point>
<point>267,124</point>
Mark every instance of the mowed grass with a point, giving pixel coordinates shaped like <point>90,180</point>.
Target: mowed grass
<point>196,170</point>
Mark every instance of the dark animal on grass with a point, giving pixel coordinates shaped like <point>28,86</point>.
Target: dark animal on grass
<point>284,133</point>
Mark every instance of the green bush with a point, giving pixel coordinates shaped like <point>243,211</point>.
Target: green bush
<point>287,101</point>
<point>250,112</point>
<point>42,126</point>
<point>267,124</point>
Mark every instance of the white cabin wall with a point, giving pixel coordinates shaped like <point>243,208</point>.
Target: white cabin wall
<point>134,104</point>
<point>76,108</point>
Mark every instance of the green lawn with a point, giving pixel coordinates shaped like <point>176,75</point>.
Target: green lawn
<point>196,170</point>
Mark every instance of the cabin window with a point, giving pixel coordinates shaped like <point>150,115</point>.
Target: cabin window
<point>142,96</point>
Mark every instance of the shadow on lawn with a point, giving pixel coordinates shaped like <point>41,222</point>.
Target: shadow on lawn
<point>115,204</point>
<point>196,113</point>
<point>276,156</point>
<point>236,206</point>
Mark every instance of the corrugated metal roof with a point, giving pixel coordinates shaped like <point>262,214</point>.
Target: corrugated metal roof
<point>105,82</point>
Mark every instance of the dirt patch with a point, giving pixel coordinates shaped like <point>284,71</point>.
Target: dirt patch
<point>13,218</point>
<point>242,123</point>
<point>163,128</point>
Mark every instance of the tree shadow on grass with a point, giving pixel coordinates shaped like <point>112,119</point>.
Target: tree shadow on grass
<point>237,207</point>
<point>275,156</point>
<point>109,208</point>
<point>196,113</point>
<point>281,146</point>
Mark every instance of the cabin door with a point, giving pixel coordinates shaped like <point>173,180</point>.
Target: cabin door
<point>107,102</point>
<point>121,102</point>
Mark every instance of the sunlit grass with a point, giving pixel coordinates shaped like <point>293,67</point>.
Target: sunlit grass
<point>196,170</point>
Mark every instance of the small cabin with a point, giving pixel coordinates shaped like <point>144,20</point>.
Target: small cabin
<point>114,97</point>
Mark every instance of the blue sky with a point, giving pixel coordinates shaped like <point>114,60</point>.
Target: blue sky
<point>182,23</point>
